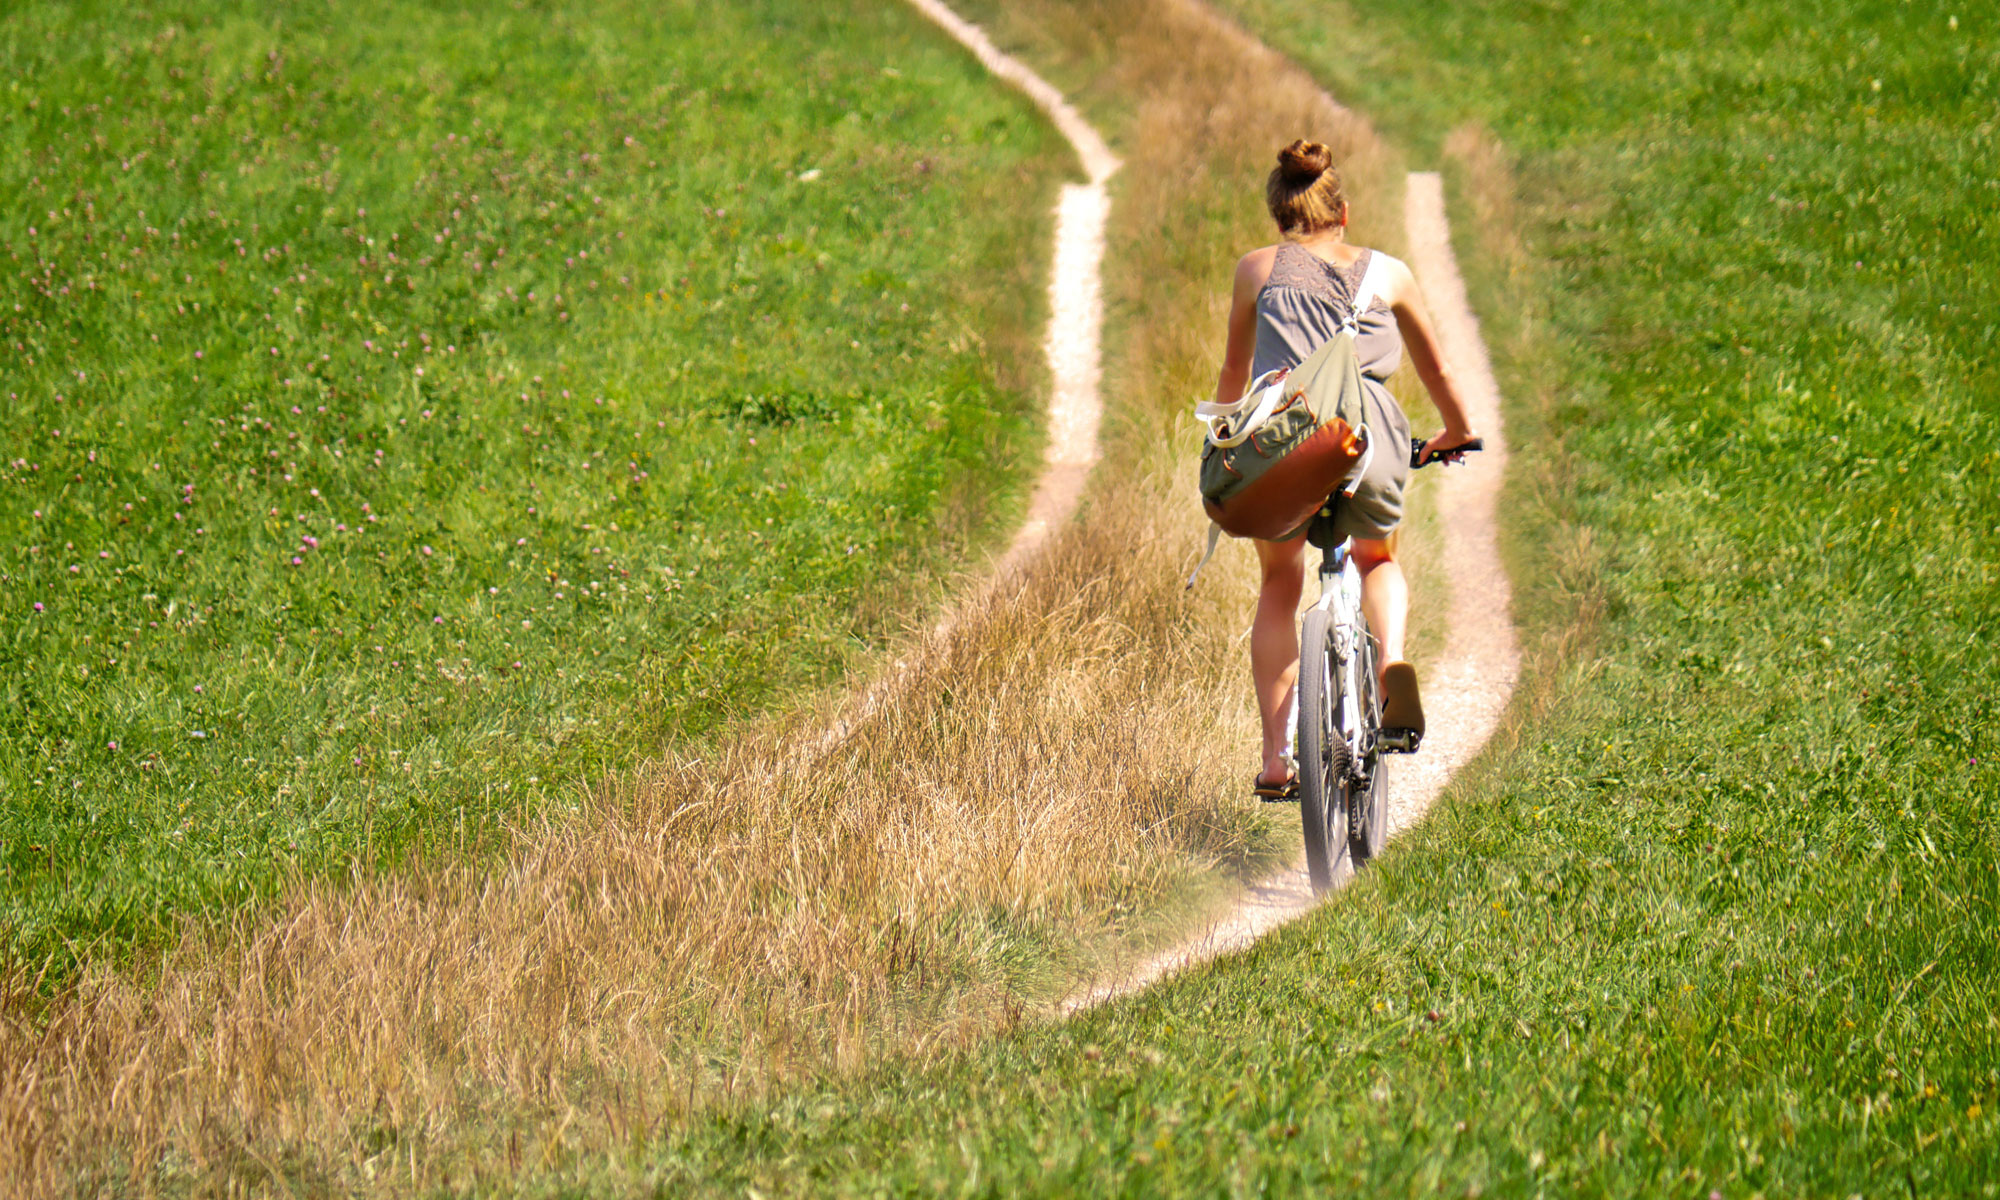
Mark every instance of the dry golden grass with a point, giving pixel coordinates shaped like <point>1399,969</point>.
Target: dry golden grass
<point>1069,754</point>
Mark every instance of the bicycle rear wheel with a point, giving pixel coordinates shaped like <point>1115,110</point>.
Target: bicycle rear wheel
<point>1368,827</point>
<point>1322,752</point>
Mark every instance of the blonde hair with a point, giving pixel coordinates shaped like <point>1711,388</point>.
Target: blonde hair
<point>1304,192</point>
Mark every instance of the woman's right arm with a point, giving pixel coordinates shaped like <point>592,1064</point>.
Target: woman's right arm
<point>1251,272</point>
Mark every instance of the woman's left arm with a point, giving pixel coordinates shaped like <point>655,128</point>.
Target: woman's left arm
<point>1413,320</point>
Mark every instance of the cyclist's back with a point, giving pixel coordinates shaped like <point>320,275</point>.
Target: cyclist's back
<point>1288,300</point>
<point>1300,308</point>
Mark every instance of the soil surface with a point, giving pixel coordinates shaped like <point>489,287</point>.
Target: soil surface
<point>1073,345</point>
<point>1076,297</point>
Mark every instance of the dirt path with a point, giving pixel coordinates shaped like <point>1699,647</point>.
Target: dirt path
<point>1468,687</point>
<point>1076,304</point>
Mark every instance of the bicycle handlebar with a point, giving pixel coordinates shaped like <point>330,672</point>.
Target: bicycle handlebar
<point>1447,457</point>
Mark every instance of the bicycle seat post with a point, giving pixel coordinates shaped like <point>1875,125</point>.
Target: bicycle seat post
<point>1322,533</point>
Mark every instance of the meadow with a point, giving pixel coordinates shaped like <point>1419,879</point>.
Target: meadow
<point>1718,919</point>
<point>992,814</point>
<point>415,415</point>
<point>1713,917</point>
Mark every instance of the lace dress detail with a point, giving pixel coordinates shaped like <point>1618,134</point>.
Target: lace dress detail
<point>1301,270</point>
<point>1303,303</point>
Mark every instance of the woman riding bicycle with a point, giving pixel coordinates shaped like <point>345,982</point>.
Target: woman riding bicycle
<point>1289,299</point>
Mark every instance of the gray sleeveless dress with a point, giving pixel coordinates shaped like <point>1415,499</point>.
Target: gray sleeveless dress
<point>1300,307</point>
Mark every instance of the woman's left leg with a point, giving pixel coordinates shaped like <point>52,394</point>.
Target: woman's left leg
<point>1274,647</point>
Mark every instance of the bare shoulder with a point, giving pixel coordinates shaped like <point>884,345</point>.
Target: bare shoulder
<point>1254,268</point>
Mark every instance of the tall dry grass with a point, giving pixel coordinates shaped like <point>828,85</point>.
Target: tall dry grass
<point>1070,753</point>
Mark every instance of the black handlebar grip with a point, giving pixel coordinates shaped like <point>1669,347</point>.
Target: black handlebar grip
<point>1417,458</point>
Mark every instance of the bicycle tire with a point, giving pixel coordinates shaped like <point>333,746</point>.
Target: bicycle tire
<point>1322,753</point>
<point>1370,830</point>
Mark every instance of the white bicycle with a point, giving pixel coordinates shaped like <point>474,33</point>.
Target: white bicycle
<point>1342,749</point>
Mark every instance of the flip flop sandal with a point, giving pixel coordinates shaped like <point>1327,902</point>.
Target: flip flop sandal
<point>1275,793</point>
<point>1402,707</point>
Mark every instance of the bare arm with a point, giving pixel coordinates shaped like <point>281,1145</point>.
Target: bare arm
<point>1251,272</point>
<point>1413,320</point>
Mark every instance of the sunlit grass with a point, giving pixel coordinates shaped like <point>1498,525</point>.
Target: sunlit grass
<point>1719,921</point>
<point>412,414</point>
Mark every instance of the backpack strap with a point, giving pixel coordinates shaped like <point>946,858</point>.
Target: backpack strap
<point>1373,276</point>
<point>1214,535</point>
<point>1261,399</point>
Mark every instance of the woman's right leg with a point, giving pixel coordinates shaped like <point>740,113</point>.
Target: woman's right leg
<point>1274,647</point>
<point>1385,594</point>
<point>1385,598</point>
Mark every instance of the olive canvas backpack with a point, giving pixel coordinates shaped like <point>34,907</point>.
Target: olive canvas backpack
<point>1273,456</point>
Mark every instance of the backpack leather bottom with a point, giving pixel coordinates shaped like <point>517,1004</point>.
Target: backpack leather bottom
<point>1279,502</point>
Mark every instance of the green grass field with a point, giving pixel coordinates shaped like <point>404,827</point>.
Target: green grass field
<point>413,414</point>
<point>1722,920</point>
<point>1717,918</point>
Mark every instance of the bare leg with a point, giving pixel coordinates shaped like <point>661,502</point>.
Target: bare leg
<point>1385,594</point>
<point>1274,646</point>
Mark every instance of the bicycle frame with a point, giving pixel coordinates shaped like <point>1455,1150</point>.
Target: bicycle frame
<point>1340,597</point>
<point>1339,748</point>
<point>1342,787</point>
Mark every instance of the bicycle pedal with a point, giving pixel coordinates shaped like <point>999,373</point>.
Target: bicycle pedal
<point>1291,799</point>
<point>1400,741</point>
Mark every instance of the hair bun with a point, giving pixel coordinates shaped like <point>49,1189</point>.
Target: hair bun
<point>1304,161</point>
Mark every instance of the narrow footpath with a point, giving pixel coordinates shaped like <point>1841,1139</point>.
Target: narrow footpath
<point>1073,347</point>
<point>1467,689</point>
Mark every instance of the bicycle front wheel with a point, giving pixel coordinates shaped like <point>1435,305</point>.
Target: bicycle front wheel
<point>1322,752</point>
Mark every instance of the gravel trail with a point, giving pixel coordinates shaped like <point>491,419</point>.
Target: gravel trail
<point>1073,347</point>
<point>1466,690</point>
<point>1076,296</point>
